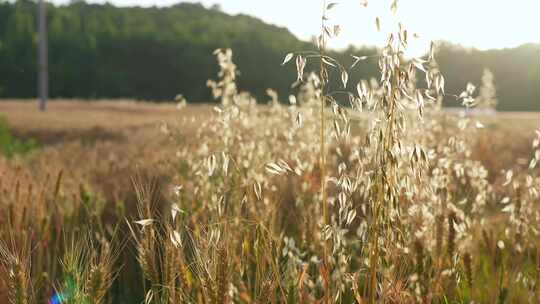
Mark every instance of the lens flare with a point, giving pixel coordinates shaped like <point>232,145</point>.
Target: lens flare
<point>57,298</point>
<point>67,293</point>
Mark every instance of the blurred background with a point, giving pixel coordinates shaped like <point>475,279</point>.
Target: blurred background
<point>153,50</point>
<point>114,78</point>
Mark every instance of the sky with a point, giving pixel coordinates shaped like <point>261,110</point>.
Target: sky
<point>482,24</point>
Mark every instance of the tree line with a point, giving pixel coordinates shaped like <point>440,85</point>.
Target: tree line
<point>103,51</point>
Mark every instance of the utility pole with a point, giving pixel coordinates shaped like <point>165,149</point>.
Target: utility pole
<point>43,73</point>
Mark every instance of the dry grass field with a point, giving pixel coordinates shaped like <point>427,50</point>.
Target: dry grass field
<point>102,147</point>
<point>100,143</point>
<point>135,127</point>
<point>390,199</point>
<point>72,120</point>
<point>98,148</point>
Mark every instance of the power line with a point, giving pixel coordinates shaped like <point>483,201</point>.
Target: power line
<point>43,74</point>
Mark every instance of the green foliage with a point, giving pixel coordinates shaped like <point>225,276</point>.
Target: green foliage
<point>10,146</point>
<point>146,53</point>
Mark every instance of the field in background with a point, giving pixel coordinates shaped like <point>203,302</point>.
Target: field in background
<point>105,143</point>
<point>101,144</point>
<point>133,130</point>
<point>71,120</point>
<point>137,127</point>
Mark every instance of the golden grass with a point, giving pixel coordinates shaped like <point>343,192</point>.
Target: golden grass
<point>67,120</point>
<point>100,146</point>
<point>307,202</point>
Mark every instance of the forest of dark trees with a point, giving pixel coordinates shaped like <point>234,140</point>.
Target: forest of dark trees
<point>103,51</point>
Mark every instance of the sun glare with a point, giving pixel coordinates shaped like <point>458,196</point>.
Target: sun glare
<point>482,24</point>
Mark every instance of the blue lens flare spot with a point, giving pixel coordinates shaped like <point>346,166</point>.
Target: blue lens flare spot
<point>57,298</point>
